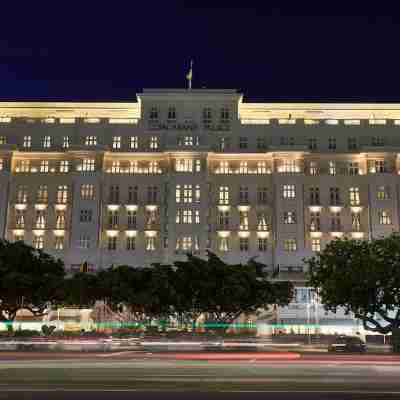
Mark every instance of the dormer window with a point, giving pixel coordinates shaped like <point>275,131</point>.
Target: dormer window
<point>171,113</point>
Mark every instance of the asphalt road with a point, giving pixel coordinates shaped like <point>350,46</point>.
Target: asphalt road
<point>123,376</point>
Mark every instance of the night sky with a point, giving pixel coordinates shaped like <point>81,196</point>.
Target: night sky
<point>93,50</point>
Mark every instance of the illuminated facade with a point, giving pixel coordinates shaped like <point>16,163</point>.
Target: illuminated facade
<point>191,170</point>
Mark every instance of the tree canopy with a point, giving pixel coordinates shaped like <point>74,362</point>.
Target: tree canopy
<point>363,277</point>
<point>29,279</point>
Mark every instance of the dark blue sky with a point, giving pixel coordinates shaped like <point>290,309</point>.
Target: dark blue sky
<point>93,50</point>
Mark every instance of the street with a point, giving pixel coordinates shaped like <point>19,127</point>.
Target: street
<point>133,375</point>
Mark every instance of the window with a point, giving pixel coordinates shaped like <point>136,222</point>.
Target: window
<point>244,244</point>
<point>223,244</point>
<point>287,141</point>
<point>38,242</point>
<point>88,165</point>
<point>207,117</point>
<point>18,237</point>
<point>243,168</point>
<point>262,244</point>
<point>315,222</point>
<point>244,220</point>
<point>290,245</point>
<point>133,194</point>
<point>116,142</point>
<point>332,168</point>
<point>132,219</point>
<point>60,219</point>
<point>151,219</point>
<point>352,143</point>
<point>224,144</point>
<point>223,220</point>
<point>24,166</point>
<point>20,219</point>
<point>225,115</point>
<point>196,216</point>
<point>197,194</point>
<point>243,195</point>
<point>40,219</point>
<point>312,143</point>
<point>262,224</point>
<point>353,168</point>
<point>85,216</point>
<point>64,166</point>
<point>187,193</point>
<point>243,142</point>
<point>22,194</point>
<point>331,143</point>
<point>27,143</point>
<point>197,165</point>
<point>113,195</point>
<point>59,243</point>
<point>383,193</point>
<point>178,193</point>
<point>188,140</point>
<point>261,143</point>
<point>223,195</point>
<point>184,216</point>
<point>115,167</point>
<point>44,166</point>
<point>289,167</point>
<point>65,143</point>
<point>335,222</point>
<point>3,139</point>
<point>153,114</point>
<point>183,165</point>
<point>150,243</point>
<point>385,217</point>
<point>154,142</point>
<point>378,167</point>
<point>91,140</point>
<point>171,113</point>
<point>152,194</point>
<point>113,219</point>
<point>355,222</point>
<point>131,243</point>
<point>112,243</point>
<point>1,164</point>
<point>134,143</point>
<point>84,241</point>
<point>314,196</point>
<point>289,192</point>
<point>46,142</point>
<point>315,245</point>
<point>334,196</point>
<point>223,167</point>
<point>87,191</point>
<point>354,193</point>
<point>289,217</point>
<point>42,194</point>
<point>261,167</point>
<point>262,195</point>
<point>314,168</point>
<point>185,242</point>
<point>153,167</point>
<point>377,141</point>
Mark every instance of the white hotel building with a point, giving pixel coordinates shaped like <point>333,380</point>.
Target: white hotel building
<point>190,170</point>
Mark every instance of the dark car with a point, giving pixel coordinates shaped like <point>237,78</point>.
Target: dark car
<point>348,344</point>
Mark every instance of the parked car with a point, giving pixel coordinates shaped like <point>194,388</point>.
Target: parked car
<point>348,344</point>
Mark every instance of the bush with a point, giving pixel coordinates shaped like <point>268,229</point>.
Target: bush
<point>26,333</point>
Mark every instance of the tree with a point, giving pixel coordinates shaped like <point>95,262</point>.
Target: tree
<point>363,277</point>
<point>29,279</point>
<point>225,291</point>
<point>82,289</point>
